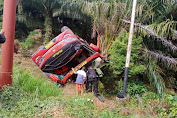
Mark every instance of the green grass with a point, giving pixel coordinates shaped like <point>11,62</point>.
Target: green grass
<point>37,97</point>
<point>28,96</point>
<point>31,96</point>
<point>82,107</point>
<point>29,83</point>
<point>17,103</point>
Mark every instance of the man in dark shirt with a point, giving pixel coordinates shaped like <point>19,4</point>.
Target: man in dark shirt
<point>2,37</point>
<point>92,77</point>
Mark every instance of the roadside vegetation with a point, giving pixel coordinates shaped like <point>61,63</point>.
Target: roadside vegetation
<point>152,74</point>
<point>31,96</point>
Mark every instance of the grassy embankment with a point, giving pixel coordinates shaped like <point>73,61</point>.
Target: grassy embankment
<point>33,95</point>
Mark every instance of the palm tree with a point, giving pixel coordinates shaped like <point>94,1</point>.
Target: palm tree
<point>160,45</point>
<point>106,18</point>
<point>46,8</point>
<point>165,56</point>
<point>71,9</point>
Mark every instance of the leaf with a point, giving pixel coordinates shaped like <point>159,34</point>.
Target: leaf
<point>156,80</point>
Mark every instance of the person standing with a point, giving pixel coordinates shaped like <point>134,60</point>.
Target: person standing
<point>92,77</point>
<point>2,37</point>
<point>81,78</point>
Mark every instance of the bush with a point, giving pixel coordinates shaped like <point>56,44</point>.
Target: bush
<point>133,87</point>
<point>118,53</point>
<point>33,38</point>
<point>172,102</point>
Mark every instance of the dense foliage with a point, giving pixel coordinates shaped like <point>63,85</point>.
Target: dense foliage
<point>118,53</point>
<point>134,88</point>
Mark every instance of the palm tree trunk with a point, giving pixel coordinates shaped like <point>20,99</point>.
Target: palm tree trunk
<point>48,26</point>
<point>98,41</point>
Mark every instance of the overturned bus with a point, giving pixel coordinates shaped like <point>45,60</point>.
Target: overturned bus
<point>66,51</point>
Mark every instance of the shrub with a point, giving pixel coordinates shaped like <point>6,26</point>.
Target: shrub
<point>136,87</point>
<point>33,38</point>
<point>172,102</point>
<point>118,53</point>
<point>133,87</point>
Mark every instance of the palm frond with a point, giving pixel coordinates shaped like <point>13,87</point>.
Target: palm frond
<point>157,32</point>
<point>167,61</point>
<point>156,80</point>
<point>71,10</point>
<point>169,1</point>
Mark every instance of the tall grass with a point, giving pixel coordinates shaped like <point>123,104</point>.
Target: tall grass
<point>29,95</point>
<point>15,103</point>
<point>29,83</point>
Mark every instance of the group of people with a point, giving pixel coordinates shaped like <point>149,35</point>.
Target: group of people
<point>86,76</point>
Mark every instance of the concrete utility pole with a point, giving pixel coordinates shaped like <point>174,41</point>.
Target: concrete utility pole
<point>122,95</point>
<point>9,13</point>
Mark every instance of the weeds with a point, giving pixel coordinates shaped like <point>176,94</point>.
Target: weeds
<point>134,87</point>
<point>35,37</point>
